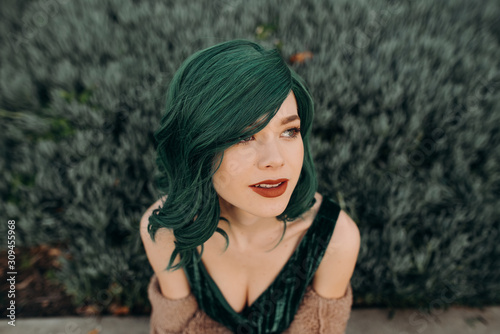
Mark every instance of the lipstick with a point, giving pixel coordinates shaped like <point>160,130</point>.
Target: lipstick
<point>269,189</point>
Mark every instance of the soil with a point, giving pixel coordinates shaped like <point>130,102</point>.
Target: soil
<point>37,293</point>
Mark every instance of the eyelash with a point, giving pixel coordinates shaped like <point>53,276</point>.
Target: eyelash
<point>296,132</point>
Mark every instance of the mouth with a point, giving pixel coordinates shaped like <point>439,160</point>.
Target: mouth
<point>270,188</point>
<point>269,183</point>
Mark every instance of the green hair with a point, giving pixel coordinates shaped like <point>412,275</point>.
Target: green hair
<point>219,96</point>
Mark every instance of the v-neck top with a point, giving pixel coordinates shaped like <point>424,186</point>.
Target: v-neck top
<point>275,308</point>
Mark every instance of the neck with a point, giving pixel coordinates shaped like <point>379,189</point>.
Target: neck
<point>249,232</point>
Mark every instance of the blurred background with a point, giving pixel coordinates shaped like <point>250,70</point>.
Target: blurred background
<point>407,100</point>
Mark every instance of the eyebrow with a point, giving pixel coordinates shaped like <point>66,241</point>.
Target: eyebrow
<point>289,119</point>
<point>284,120</point>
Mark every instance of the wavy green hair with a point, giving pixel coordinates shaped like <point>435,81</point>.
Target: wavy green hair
<point>219,96</point>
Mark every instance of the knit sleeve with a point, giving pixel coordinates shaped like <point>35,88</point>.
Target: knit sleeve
<point>169,316</point>
<point>317,314</point>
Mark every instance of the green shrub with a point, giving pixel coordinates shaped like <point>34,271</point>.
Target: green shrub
<point>405,137</point>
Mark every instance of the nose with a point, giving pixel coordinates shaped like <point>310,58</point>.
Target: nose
<point>269,155</point>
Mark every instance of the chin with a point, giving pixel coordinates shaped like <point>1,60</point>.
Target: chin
<point>274,206</point>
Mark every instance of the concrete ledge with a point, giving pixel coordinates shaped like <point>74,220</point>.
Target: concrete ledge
<point>78,325</point>
<point>456,320</point>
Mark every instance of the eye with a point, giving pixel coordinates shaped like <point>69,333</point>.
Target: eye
<point>245,140</point>
<point>294,132</point>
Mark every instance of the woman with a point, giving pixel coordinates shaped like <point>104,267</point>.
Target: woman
<point>234,158</point>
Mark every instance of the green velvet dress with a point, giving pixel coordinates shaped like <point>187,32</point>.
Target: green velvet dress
<point>275,308</point>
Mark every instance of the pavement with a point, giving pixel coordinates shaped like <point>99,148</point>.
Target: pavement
<point>455,320</point>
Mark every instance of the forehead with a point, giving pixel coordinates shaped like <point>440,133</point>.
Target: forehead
<point>288,107</point>
<point>287,112</point>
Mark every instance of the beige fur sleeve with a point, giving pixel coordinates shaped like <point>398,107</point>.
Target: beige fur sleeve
<point>322,315</point>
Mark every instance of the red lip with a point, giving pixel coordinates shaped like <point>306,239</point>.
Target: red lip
<point>271,192</point>
<point>270,182</point>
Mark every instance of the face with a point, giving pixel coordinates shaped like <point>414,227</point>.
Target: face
<point>275,154</point>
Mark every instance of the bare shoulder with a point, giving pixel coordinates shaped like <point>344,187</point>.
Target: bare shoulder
<point>345,237</point>
<point>145,222</point>
<point>337,266</point>
<point>173,284</point>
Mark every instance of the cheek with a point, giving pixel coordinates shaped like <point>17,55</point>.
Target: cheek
<point>221,180</point>
<point>237,161</point>
<point>300,163</point>
<point>230,170</point>
<point>296,154</point>
<point>247,154</point>
<point>233,167</point>
<point>301,147</point>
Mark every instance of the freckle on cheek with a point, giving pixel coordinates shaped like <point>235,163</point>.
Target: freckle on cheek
<point>248,153</point>
<point>221,179</point>
<point>233,167</point>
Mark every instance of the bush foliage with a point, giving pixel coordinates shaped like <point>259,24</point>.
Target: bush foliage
<point>407,97</point>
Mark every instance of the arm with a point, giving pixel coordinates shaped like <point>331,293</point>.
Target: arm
<point>173,305</point>
<point>326,306</point>
<point>169,316</point>
<point>321,315</point>
<point>337,265</point>
<point>180,315</point>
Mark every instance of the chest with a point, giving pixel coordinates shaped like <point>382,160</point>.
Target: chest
<point>243,277</point>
